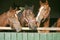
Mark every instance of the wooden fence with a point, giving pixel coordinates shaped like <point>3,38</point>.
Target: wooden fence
<point>26,28</point>
<point>29,36</point>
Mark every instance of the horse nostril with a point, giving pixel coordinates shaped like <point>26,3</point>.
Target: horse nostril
<point>33,28</point>
<point>7,25</point>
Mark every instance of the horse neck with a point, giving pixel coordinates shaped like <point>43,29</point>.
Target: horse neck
<point>4,14</point>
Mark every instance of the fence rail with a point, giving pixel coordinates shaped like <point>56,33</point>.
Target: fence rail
<point>27,28</point>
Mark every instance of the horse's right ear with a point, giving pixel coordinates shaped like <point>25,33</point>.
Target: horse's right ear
<point>40,3</point>
<point>46,2</point>
<point>10,8</point>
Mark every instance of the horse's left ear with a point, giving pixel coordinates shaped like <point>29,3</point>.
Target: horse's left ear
<point>16,8</point>
<point>46,2</point>
<point>32,7</point>
<point>41,3</point>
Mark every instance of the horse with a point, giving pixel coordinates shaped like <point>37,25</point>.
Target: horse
<point>57,24</point>
<point>4,19</point>
<point>9,18</point>
<point>13,18</point>
<point>43,15</point>
<point>27,18</point>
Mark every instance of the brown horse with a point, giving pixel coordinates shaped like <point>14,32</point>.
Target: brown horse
<point>9,18</point>
<point>28,19</point>
<point>43,15</point>
<point>14,20</point>
<point>4,19</point>
<point>58,24</point>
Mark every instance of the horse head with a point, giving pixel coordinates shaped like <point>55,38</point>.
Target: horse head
<point>29,17</point>
<point>13,19</point>
<point>44,12</point>
<point>26,16</point>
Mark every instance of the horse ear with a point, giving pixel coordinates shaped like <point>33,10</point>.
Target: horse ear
<point>10,9</point>
<point>40,3</point>
<point>46,2</point>
<point>32,7</point>
<point>16,8</point>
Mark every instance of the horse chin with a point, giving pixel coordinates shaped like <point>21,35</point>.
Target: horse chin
<point>33,28</point>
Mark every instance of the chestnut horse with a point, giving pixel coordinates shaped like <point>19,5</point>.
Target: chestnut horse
<point>27,18</point>
<point>9,18</point>
<point>43,15</point>
<point>57,24</point>
<point>4,18</point>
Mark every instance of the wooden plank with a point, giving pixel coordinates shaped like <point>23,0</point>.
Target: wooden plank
<point>41,28</point>
<point>42,36</point>
<point>24,36</point>
<point>5,28</point>
<point>54,36</point>
<point>2,36</point>
<point>27,28</point>
<point>49,36</point>
<point>13,36</point>
<point>19,36</point>
<point>58,36</point>
<point>7,36</point>
<point>36,36</point>
<point>30,36</point>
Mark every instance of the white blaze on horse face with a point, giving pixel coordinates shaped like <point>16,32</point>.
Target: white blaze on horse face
<point>18,11</point>
<point>16,15</point>
<point>37,18</point>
